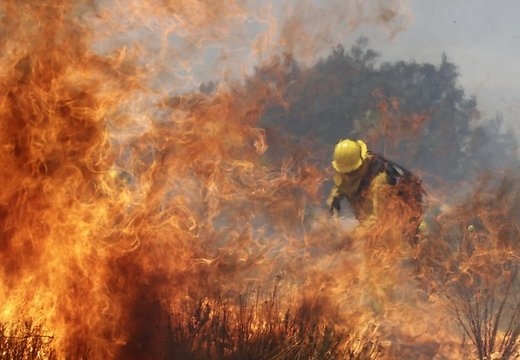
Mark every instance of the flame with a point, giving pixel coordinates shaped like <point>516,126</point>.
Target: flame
<point>110,213</point>
<point>123,201</point>
<point>392,127</point>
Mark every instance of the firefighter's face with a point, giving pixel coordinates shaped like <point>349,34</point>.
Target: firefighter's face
<point>354,173</point>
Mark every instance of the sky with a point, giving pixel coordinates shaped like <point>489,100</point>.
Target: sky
<point>481,37</point>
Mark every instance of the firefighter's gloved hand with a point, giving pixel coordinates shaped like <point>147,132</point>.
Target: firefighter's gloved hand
<point>335,205</point>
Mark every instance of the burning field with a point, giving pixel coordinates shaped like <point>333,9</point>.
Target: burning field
<point>143,219</point>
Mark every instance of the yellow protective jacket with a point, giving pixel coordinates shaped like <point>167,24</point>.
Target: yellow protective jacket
<point>371,188</point>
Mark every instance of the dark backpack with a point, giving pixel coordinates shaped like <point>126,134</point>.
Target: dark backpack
<point>410,185</point>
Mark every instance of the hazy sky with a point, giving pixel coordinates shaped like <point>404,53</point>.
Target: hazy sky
<point>481,37</point>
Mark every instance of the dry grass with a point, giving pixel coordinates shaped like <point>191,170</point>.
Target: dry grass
<point>249,328</point>
<point>25,341</point>
<point>259,330</point>
<point>490,317</point>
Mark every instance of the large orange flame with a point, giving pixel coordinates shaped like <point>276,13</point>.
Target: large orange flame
<point>123,199</point>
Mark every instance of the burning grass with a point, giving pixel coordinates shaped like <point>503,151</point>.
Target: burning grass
<point>474,261</point>
<point>490,316</point>
<point>249,328</point>
<point>258,329</point>
<point>25,341</point>
<point>468,263</point>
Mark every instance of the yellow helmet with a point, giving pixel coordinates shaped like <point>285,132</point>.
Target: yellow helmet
<point>349,155</point>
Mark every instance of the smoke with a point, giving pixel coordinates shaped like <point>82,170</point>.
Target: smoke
<point>310,28</point>
<point>185,43</point>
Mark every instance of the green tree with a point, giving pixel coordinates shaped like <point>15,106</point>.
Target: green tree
<point>415,113</point>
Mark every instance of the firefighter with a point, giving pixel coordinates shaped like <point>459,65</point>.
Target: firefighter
<point>369,181</point>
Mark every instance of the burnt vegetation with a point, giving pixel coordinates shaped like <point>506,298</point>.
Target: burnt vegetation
<point>25,341</point>
<point>490,315</point>
<point>257,328</point>
<point>484,285</point>
<point>252,327</point>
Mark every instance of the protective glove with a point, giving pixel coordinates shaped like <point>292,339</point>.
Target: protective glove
<point>335,205</point>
